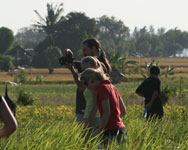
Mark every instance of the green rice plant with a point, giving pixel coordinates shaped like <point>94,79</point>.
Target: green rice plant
<point>167,92</point>
<point>39,79</point>
<point>21,76</point>
<point>54,127</point>
<point>181,92</point>
<point>25,98</point>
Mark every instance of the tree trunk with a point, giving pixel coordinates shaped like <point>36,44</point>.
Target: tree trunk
<point>51,70</point>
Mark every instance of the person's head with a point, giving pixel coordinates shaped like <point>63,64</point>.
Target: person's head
<point>155,70</point>
<point>90,62</point>
<point>92,77</point>
<point>92,47</point>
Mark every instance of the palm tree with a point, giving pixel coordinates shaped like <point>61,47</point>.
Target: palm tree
<point>50,23</point>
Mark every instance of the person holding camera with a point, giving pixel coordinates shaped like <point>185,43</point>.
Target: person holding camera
<point>8,119</point>
<point>90,47</point>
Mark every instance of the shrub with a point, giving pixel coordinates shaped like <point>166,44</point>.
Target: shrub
<point>181,92</point>
<point>21,76</point>
<point>120,62</point>
<point>25,98</point>
<point>5,62</point>
<point>167,92</point>
<point>39,79</point>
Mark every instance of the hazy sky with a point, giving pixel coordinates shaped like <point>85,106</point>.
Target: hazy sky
<point>16,14</point>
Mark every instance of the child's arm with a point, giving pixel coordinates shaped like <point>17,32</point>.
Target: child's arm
<point>122,107</point>
<point>7,118</point>
<point>105,116</point>
<point>92,115</point>
<point>93,110</point>
<point>79,84</point>
<point>153,98</point>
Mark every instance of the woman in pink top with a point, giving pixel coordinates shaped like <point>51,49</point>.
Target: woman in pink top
<point>109,104</point>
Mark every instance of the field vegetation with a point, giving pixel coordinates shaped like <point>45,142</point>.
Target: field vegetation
<point>54,127</point>
<point>50,122</point>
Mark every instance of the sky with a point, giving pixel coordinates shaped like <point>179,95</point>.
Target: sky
<point>169,14</point>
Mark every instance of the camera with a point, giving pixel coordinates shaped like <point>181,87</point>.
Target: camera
<point>68,59</point>
<point>77,65</point>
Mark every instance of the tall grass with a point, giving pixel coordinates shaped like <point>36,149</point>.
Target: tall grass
<point>54,128</point>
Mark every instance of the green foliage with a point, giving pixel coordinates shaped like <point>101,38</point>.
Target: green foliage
<point>53,92</point>
<point>69,31</point>
<point>167,92</point>
<point>173,91</point>
<point>113,29</point>
<point>52,54</point>
<point>74,29</point>
<point>168,71</point>
<point>149,43</point>
<point>143,45</point>
<point>50,23</point>
<point>119,61</point>
<point>6,39</point>
<point>29,38</point>
<point>108,45</point>
<point>21,76</point>
<point>145,71</point>
<point>38,59</point>
<point>5,62</point>
<point>39,79</point>
<point>25,98</point>
<point>55,128</point>
<point>113,34</point>
<point>174,40</point>
<point>181,91</point>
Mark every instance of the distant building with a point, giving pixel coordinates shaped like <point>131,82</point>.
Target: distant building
<point>21,56</point>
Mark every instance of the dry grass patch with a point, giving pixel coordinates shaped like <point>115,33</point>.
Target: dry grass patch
<point>163,61</point>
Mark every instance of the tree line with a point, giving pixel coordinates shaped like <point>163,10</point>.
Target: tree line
<point>51,34</point>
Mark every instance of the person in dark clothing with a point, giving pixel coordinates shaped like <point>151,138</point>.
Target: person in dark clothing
<point>150,90</point>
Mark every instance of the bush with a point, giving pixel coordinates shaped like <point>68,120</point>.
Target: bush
<point>21,76</point>
<point>39,79</point>
<point>167,92</point>
<point>5,62</point>
<point>25,98</point>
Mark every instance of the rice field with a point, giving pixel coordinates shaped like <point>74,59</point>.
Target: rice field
<point>54,127</point>
<point>49,124</point>
<point>173,61</point>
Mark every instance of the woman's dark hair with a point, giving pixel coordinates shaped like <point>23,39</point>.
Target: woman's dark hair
<point>102,55</point>
<point>155,70</point>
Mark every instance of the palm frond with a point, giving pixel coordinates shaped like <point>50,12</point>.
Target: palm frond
<point>40,17</point>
